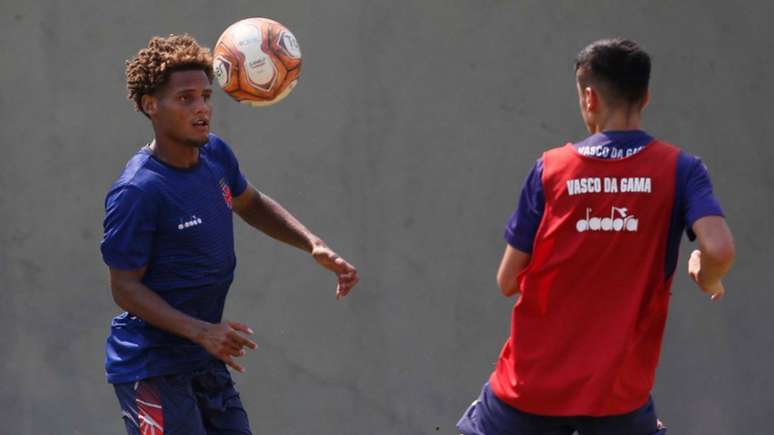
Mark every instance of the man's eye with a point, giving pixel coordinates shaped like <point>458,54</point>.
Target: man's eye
<point>207,97</point>
<point>183,98</point>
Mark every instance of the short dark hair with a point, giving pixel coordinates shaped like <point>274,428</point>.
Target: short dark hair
<point>619,66</point>
<point>150,68</point>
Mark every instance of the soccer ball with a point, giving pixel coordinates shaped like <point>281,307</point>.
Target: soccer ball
<point>257,61</point>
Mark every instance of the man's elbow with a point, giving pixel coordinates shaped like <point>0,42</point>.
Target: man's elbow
<point>120,296</point>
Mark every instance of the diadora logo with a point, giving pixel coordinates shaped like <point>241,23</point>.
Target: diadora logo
<point>622,222</point>
<point>226,193</point>
<point>191,222</point>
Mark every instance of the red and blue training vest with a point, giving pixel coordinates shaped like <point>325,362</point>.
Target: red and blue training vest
<point>586,332</point>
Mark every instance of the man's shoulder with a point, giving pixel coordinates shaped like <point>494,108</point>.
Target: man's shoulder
<point>215,144</point>
<point>217,149</point>
<point>669,145</point>
<point>564,147</point>
<point>137,176</point>
<point>687,162</point>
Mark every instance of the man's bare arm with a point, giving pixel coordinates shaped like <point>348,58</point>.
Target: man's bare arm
<point>712,261</point>
<point>268,216</point>
<point>223,340</point>
<point>512,263</point>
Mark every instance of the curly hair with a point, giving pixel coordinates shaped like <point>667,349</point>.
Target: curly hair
<point>147,71</point>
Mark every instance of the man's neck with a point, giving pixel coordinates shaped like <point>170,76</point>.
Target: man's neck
<point>616,121</point>
<point>175,154</point>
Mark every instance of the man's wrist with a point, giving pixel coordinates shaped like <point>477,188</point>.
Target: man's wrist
<point>315,242</point>
<point>708,284</point>
<point>197,330</point>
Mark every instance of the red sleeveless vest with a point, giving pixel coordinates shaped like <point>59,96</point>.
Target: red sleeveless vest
<point>586,331</point>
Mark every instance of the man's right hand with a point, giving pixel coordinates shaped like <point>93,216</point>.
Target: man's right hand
<point>226,341</point>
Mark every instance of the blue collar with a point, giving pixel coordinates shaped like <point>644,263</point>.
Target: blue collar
<point>619,139</point>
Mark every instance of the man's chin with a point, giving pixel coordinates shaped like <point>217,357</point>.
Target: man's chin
<point>198,142</point>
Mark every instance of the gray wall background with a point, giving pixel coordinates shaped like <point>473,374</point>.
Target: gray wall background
<point>404,146</point>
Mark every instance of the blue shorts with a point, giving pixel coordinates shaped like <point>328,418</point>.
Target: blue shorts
<point>488,415</point>
<point>204,402</point>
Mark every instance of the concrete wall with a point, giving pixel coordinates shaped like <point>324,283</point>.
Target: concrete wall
<point>404,146</point>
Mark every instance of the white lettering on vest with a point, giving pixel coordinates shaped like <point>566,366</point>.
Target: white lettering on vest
<point>577,186</point>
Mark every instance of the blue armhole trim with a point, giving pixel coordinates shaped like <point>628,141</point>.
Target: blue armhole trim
<point>677,220</point>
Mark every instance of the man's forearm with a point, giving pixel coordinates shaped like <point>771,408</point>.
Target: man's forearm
<point>512,263</point>
<point>714,267</point>
<point>139,300</point>
<point>717,249</point>
<point>270,217</point>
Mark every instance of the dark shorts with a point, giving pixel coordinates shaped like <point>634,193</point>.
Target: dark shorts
<point>488,415</point>
<point>204,402</point>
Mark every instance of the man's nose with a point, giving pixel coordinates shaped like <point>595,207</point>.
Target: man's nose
<point>202,106</point>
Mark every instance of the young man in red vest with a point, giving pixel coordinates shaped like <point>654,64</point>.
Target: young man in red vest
<point>592,248</point>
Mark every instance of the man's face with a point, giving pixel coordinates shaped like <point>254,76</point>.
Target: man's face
<point>181,110</point>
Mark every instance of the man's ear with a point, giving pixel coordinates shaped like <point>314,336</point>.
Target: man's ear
<point>149,104</point>
<point>646,99</point>
<point>591,99</point>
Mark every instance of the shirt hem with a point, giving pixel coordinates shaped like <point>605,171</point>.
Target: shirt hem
<point>145,374</point>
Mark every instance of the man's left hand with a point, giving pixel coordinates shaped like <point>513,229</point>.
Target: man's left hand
<point>345,272</point>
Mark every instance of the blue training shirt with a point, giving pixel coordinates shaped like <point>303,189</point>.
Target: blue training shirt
<point>178,223</point>
<point>694,198</point>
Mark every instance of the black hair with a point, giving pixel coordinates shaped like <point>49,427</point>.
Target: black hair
<point>151,67</point>
<point>619,67</point>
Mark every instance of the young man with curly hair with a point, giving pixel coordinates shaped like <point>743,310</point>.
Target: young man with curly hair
<point>592,248</point>
<point>169,245</point>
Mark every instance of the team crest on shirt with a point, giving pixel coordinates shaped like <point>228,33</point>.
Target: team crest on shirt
<point>226,193</point>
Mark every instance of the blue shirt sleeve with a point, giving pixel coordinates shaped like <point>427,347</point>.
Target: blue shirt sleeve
<point>129,225</point>
<point>523,224</point>
<point>236,180</point>
<point>699,200</point>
